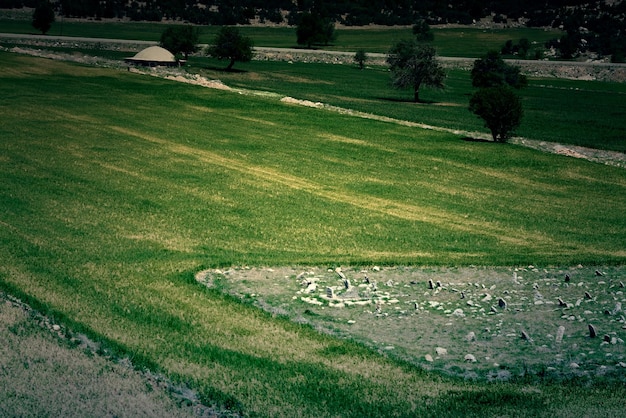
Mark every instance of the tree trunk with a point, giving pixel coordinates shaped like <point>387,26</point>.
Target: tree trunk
<point>416,93</point>
<point>230,65</point>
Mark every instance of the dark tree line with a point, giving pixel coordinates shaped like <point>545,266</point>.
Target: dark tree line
<point>349,12</point>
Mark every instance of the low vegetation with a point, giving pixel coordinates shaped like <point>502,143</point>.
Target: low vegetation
<point>109,214</point>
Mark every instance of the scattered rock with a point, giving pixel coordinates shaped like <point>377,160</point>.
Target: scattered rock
<point>470,336</point>
<point>428,358</point>
<point>567,278</point>
<point>502,303</point>
<point>573,365</point>
<point>469,358</point>
<point>430,284</point>
<point>441,351</point>
<point>607,338</point>
<point>525,336</point>
<point>458,312</point>
<point>599,273</point>
<point>587,295</point>
<point>561,303</point>
<point>617,309</point>
<point>559,334</point>
<point>330,293</point>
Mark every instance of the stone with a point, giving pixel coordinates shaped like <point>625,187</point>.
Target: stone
<point>486,298</point>
<point>606,338</point>
<point>587,295</point>
<point>617,309</point>
<point>56,327</point>
<point>462,295</point>
<point>525,336</point>
<point>592,331</point>
<point>502,303</point>
<point>561,303</point>
<point>346,283</point>
<point>458,312</point>
<point>416,305</point>
<point>470,336</point>
<point>441,351</point>
<point>330,293</point>
<point>573,365</point>
<point>438,283</point>
<point>567,278</point>
<point>430,284</point>
<point>428,358</point>
<point>559,334</point>
<point>469,358</point>
<point>340,273</point>
<point>599,273</point>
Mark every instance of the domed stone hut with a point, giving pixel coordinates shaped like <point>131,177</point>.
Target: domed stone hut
<point>153,56</point>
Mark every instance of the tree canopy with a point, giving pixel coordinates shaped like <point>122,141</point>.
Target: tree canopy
<point>180,39</point>
<point>43,16</point>
<point>313,29</point>
<point>500,108</point>
<point>491,71</point>
<point>231,45</point>
<point>413,64</point>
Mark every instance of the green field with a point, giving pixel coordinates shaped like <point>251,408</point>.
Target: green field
<point>554,110</point>
<point>117,188</point>
<point>455,42</point>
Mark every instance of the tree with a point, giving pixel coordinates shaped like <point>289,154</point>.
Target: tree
<point>422,31</point>
<point>314,29</point>
<point>413,64</point>
<point>181,39</point>
<point>43,17</point>
<point>360,57</point>
<point>231,45</point>
<point>491,71</point>
<point>500,108</point>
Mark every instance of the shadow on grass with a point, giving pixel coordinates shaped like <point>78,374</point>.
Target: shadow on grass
<point>225,70</point>
<point>403,100</point>
<point>472,139</point>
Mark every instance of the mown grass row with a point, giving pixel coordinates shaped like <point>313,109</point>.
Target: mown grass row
<point>117,188</point>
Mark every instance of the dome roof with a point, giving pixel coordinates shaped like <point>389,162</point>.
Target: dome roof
<point>155,54</point>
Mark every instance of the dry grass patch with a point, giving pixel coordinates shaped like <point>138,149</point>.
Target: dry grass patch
<point>42,375</point>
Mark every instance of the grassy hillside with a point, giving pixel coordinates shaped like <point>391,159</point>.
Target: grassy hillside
<point>117,188</point>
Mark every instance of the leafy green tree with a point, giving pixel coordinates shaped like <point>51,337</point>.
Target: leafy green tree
<point>491,71</point>
<point>360,57</point>
<point>422,31</point>
<point>314,29</point>
<point>181,40</point>
<point>500,108</point>
<point>231,45</point>
<point>413,64</point>
<point>43,17</point>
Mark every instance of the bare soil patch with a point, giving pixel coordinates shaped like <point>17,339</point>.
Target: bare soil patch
<point>483,323</point>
